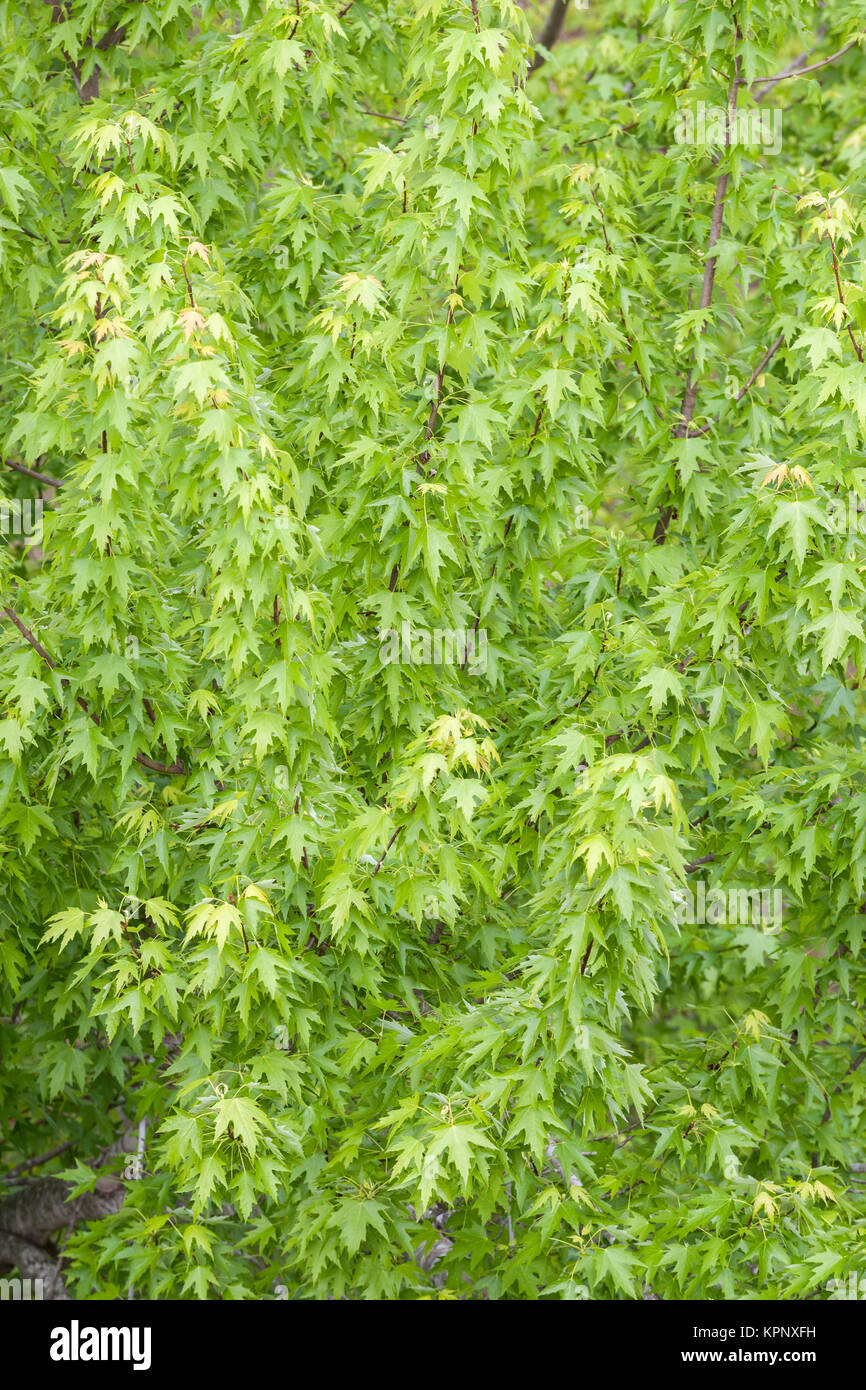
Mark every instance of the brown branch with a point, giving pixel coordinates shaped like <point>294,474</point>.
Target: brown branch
<point>392,840</point>
<point>716,222</point>
<point>770,353</point>
<point>176,768</point>
<point>615,130</point>
<point>549,34</point>
<point>385,116</point>
<point>31,473</point>
<point>696,863</point>
<point>794,71</point>
<point>28,1218</point>
<point>110,38</point>
<point>858,1060</point>
<point>508,525</point>
<point>28,636</point>
<point>47,1205</point>
<point>832,240</point>
<point>38,1161</point>
<point>49,661</point>
<point>381,858</point>
<point>707,286</point>
<point>768,82</point>
<point>690,397</point>
<point>89,90</point>
<point>188,285</point>
<point>434,413</point>
<point>424,457</point>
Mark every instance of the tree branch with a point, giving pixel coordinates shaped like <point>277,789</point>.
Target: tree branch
<point>88,90</point>
<point>857,347</point>
<point>38,1161</point>
<point>691,393</point>
<point>29,1216</point>
<point>424,457</point>
<point>34,1263</point>
<point>696,863</point>
<point>398,831</point>
<point>549,34</point>
<point>28,635</point>
<point>46,1205</point>
<point>770,353</point>
<point>707,286</point>
<point>176,769</point>
<point>31,473</point>
<point>858,1060</point>
<point>793,71</point>
<point>768,82</point>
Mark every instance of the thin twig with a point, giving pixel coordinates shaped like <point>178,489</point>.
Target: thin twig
<point>424,457</point>
<point>381,858</point>
<point>857,348</point>
<point>176,768</point>
<point>770,353</point>
<point>38,1161</point>
<point>787,73</point>
<point>696,863</point>
<point>385,116</point>
<point>858,1060</point>
<point>31,473</point>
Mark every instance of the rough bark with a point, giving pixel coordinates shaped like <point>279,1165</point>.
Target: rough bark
<point>41,1206</point>
<point>32,1262</point>
<point>44,1205</point>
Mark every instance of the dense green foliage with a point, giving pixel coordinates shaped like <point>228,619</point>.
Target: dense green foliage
<point>326,319</point>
